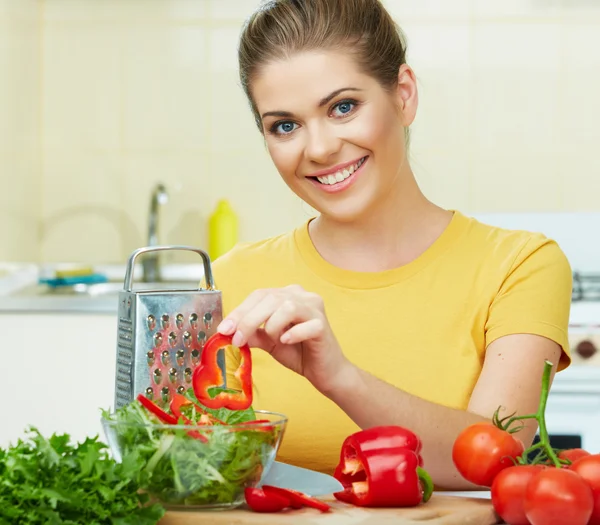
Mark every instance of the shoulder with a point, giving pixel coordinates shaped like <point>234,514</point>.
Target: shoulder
<point>513,250</point>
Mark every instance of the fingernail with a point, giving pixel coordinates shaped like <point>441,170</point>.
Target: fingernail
<point>238,339</point>
<point>226,327</point>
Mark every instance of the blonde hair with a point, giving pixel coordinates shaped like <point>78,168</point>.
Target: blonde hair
<point>279,28</point>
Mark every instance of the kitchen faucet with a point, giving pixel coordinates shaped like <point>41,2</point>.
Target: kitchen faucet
<point>150,262</point>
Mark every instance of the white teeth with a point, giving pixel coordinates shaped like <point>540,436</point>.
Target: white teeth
<point>341,175</point>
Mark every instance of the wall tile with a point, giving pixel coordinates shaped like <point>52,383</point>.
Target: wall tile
<point>431,9</point>
<point>110,11</point>
<point>443,175</point>
<point>82,86</point>
<point>165,93</point>
<point>231,120</point>
<point>529,46</point>
<point>517,8</point>
<point>510,182</point>
<point>237,10</point>
<point>438,46</point>
<point>82,206</point>
<point>20,201</point>
<point>515,111</point>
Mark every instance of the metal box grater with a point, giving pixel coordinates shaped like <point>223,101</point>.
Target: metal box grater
<point>161,334</point>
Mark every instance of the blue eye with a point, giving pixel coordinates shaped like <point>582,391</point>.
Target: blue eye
<point>344,107</point>
<point>283,128</point>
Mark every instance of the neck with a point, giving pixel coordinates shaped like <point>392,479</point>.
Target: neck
<point>400,228</point>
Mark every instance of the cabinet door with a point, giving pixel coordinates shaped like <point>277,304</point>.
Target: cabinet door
<point>57,373</point>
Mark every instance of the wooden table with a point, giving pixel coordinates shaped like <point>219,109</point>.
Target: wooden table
<point>439,510</point>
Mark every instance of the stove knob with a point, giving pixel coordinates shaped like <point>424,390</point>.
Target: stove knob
<point>585,349</point>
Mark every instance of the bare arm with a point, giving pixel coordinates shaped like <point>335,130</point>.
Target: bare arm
<point>511,378</point>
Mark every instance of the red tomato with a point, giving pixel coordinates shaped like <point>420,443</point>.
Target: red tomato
<point>558,496</point>
<point>588,468</point>
<point>573,454</point>
<point>482,450</point>
<point>508,492</point>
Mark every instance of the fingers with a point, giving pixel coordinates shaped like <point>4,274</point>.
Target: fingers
<point>276,309</point>
<point>298,333</point>
<point>229,325</point>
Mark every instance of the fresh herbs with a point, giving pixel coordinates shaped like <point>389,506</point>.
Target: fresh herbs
<point>53,481</point>
<point>208,467</point>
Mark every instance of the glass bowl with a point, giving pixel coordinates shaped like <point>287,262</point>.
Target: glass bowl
<point>194,467</point>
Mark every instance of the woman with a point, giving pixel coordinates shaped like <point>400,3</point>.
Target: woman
<point>384,308</point>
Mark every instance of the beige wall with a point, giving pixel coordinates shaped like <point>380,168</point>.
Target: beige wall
<point>20,153</point>
<point>139,92</point>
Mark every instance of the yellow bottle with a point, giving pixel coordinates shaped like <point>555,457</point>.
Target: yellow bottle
<point>222,230</point>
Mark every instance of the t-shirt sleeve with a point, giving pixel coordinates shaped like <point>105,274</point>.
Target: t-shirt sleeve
<point>535,297</point>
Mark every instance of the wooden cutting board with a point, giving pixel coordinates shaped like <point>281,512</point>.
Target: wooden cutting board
<point>439,510</point>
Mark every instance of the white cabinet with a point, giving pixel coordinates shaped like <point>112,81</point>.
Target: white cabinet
<point>57,372</point>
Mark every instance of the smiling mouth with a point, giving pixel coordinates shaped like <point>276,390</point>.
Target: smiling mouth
<point>341,175</point>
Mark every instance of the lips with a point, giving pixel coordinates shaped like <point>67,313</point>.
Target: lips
<point>340,175</point>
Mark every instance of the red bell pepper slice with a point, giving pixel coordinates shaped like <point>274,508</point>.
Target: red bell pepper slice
<point>180,401</point>
<point>382,473</point>
<point>208,375</point>
<point>156,410</point>
<point>297,499</point>
<point>259,501</point>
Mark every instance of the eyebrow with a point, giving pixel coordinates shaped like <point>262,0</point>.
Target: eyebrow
<point>322,102</point>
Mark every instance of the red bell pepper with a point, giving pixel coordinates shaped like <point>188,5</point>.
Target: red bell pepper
<point>179,401</point>
<point>156,410</point>
<point>381,467</point>
<point>208,375</point>
<point>260,501</point>
<point>297,500</point>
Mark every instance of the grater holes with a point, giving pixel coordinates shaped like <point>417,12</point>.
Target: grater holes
<point>202,337</point>
<point>208,320</point>
<point>180,357</point>
<point>195,356</point>
<point>150,392</point>
<point>172,375</point>
<point>179,321</point>
<point>165,358</point>
<point>150,357</point>
<point>180,389</point>
<point>157,376</point>
<point>172,339</point>
<point>151,322</point>
<point>187,339</point>
<point>165,394</point>
<point>187,375</point>
<point>158,339</point>
<point>194,320</point>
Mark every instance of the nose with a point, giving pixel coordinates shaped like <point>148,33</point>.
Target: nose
<point>322,143</point>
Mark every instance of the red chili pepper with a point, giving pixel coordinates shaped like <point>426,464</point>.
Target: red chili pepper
<point>380,467</point>
<point>208,375</point>
<point>156,410</point>
<point>297,499</point>
<point>259,501</point>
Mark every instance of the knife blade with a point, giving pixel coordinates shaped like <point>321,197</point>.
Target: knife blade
<point>301,479</point>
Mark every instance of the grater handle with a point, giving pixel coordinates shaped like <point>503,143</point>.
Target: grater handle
<point>208,276</point>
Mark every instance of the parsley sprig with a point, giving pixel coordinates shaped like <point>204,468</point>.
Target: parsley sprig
<point>52,481</point>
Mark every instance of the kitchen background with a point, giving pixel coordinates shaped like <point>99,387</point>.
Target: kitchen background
<point>100,100</point>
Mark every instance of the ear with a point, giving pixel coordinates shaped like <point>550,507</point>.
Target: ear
<point>407,95</point>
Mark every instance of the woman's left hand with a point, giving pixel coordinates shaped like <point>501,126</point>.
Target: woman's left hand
<point>290,323</point>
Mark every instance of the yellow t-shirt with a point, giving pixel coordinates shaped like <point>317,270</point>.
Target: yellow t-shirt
<point>423,327</point>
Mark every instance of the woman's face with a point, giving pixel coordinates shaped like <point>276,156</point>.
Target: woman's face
<point>335,135</point>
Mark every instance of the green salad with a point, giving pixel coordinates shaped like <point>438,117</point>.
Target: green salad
<point>183,467</point>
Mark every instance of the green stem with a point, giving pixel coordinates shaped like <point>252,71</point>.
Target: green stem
<point>540,417</point>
